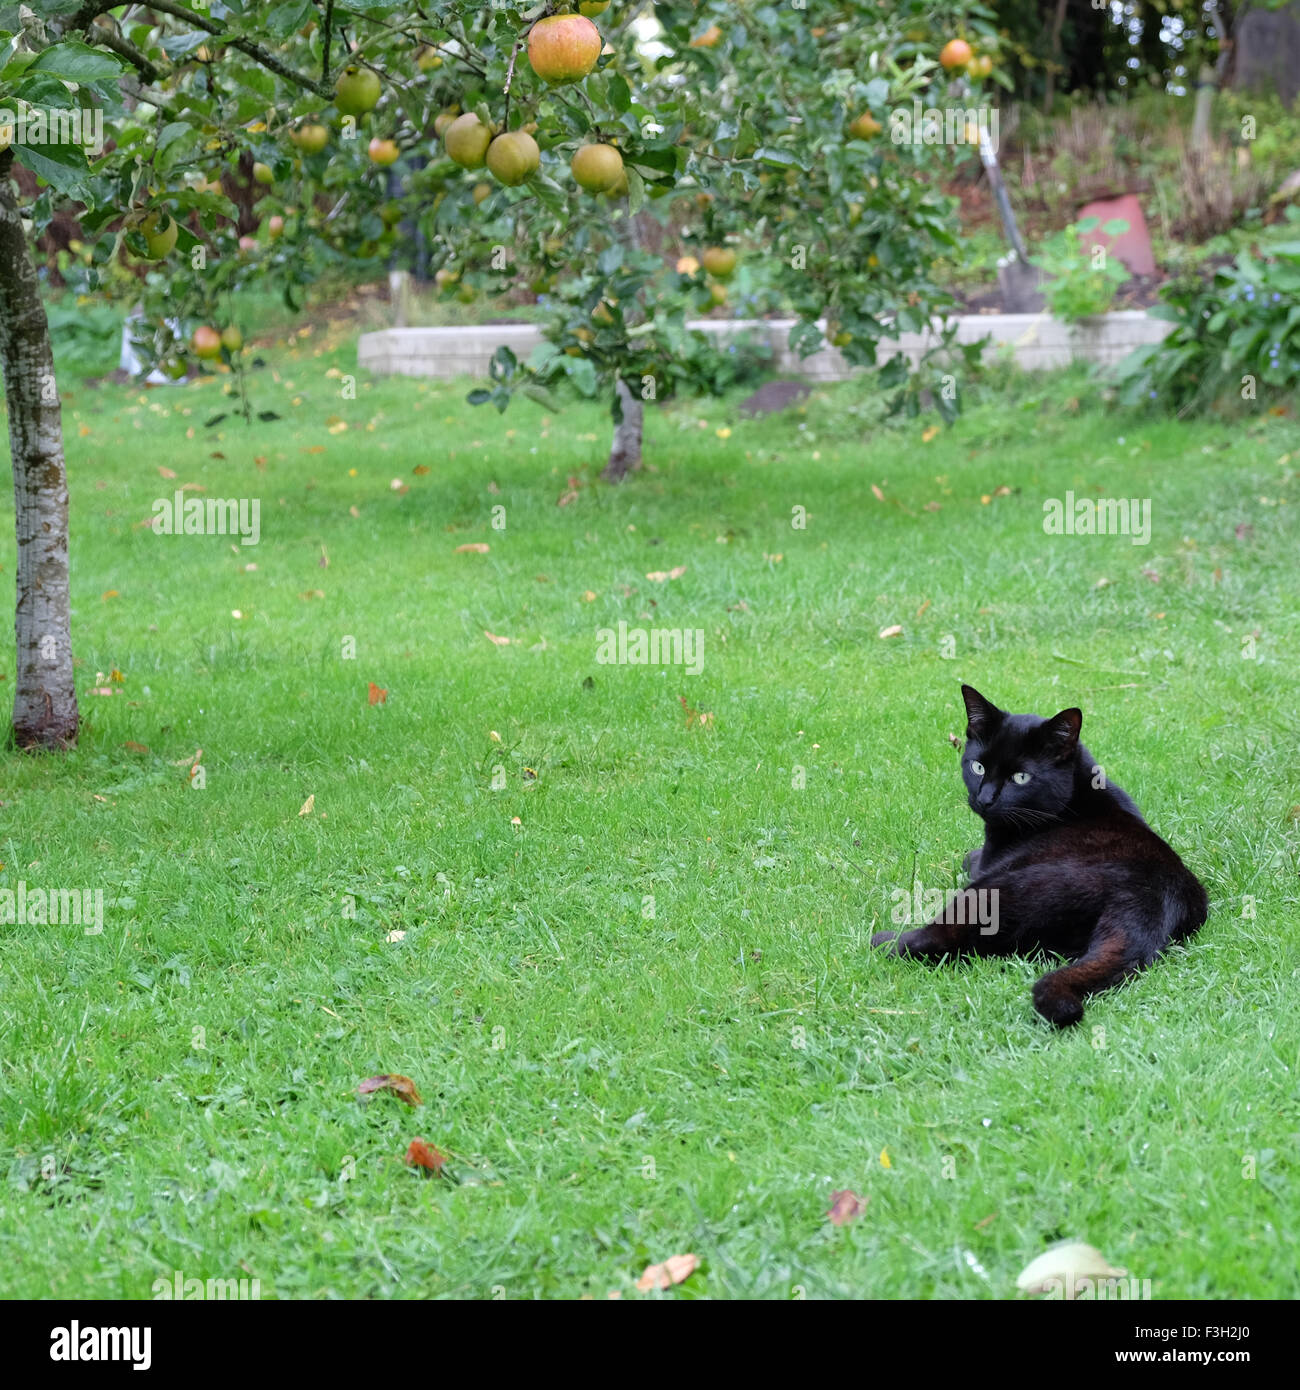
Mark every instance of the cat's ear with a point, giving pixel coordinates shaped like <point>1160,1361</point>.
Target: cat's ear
<point>982,716</point>
<point>1060,734</point>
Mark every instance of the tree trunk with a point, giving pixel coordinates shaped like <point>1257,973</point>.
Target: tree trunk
<point>625,453</point>
<point>45,698</point>
<point>1049,85</point>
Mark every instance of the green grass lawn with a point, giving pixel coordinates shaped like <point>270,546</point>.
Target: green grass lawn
<point>616,1084</point>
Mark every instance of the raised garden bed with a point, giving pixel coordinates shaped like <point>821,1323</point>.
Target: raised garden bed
<point>1035,341</point>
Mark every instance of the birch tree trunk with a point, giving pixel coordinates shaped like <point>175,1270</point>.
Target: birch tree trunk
<point>45,699</point>
<point>625,452</point>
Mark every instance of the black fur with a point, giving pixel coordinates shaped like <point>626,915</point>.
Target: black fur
<point>1076,869</point>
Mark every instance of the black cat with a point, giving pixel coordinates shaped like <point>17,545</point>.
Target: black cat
<point>1068,864</point>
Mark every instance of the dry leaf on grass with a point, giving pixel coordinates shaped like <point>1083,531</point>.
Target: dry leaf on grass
<point>497,641</point>
<point>422,1155</point>
<point>309,805</point>
<point>845,1206</point>
<point>132,746</point>
<point>673,1270</point>
<point>895,631</point>
<point>378,694</point>
<point>394,1084</point>
<point>659,576</point>
<point>473,548</point>
<point>704,719</point>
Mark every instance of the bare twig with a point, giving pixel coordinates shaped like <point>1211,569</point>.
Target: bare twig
<point>329,33</point>
<point>510,77</point>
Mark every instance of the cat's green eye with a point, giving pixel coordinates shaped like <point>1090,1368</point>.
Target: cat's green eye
<point>977,768</point>
<point>1020,778</point>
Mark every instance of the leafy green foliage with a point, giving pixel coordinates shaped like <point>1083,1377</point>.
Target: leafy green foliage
<point>732,121</point>
<point>1082,277</point>
<point>1236,338</point>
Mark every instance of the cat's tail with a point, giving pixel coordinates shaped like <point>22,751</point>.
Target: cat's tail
<point>1186,908</point>
<point>1130,933</point>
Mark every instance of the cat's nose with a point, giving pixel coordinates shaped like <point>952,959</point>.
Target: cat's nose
<point>988,794</point>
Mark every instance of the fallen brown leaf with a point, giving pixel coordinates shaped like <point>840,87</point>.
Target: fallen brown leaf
<point>378,695</point>
<point>673,1271</point>
<point>395,1084</point>
<point>422,1155</point>
<point>474,547</point>
<point>309,805</point>
<point>704,719</point>
<point>845,1206</point>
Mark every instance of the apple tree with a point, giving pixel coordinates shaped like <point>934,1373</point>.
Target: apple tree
<point>557,147</point>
